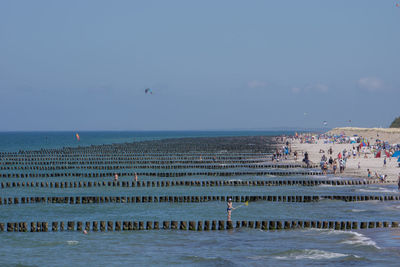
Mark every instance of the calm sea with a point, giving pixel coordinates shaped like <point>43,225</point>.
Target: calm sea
<point>15,141</point>
<point>239,247</point>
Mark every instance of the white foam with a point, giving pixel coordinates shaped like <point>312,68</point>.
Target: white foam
<point>335,232</point>
<point>357,210</point>
<point>360,240</point>
<point>378,190</point>
<point>234,180</point>
<point>325,185</point>
<point>356,239</point>
<point>312,254</point>
<point>72,242</point>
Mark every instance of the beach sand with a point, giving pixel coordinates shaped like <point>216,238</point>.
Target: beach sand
<point>374,164</point>
<point>391,135</point>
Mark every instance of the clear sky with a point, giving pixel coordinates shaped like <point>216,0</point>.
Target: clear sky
<point>84,65</point>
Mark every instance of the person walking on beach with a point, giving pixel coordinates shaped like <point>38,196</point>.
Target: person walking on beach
<point>325,168</point>
<point>334,167</point>
<point>398,182</point>
<point>384,162</point>
<point>229,209</point>
<point>341,165</point>
<point>330,161</point>
<point>306,159</point>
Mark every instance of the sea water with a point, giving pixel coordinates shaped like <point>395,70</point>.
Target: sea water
<point>238,247</point>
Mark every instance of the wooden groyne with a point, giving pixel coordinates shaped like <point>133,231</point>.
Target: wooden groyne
<point>152,166</point>
<point>190,199</point>
<point>193,183</point>
<point>302,172</point>
<point>206,225</point>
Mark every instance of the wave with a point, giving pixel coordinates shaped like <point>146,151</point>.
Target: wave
<point>325,185</point>
<point>311,254</point>
<point>358,239</point>
<point>207,261</point>
<point>357,210</point>
<point>378,190</point>
<point>235,180</point>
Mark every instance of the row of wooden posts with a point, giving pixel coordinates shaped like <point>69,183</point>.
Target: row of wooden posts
<point>187,199</point>
<point>6,164</point>
<point>152,166</point>
<point>161,174</point>
<point>206,225</point>
<point>90,153</point>
<point>198,183</point>
<point>135,156</point>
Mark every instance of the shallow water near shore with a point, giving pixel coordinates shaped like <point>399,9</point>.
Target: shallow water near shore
<point>237,247</point>
<point>213,248</point>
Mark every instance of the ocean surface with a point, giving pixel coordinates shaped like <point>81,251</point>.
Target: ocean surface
<point>238,247</point>
<point>15,141</point>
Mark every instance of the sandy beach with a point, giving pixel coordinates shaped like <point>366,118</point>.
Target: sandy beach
<point>376,165</point>
<point>391,135</point>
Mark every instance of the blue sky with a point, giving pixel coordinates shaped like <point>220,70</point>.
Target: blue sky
<point>84,65</point>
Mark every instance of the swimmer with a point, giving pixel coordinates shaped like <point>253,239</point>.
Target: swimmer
<point>115,177</point>
<point>84,232</point>
<point>229,209</point>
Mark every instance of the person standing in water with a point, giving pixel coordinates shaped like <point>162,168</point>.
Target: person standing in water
<point>229,209</point>
<point>136,177</point>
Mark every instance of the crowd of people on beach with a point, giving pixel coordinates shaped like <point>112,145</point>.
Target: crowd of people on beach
<point>361,147</point>
<point>283,152</point>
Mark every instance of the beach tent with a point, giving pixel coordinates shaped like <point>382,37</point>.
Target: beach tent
<point>378,155</point>
<point>398,160</point>
<point>396,154</point>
